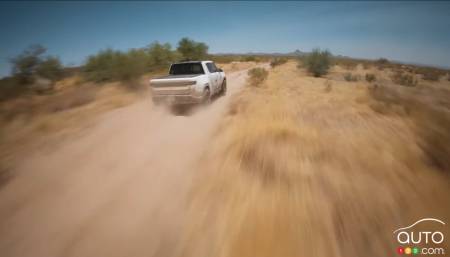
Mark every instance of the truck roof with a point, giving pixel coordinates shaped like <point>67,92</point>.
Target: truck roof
<point>192,61</point>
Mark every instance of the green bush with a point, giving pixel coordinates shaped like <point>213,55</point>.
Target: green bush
<point>131,65</point>
<point>111,65</point>
<point>257,76</point>
<point>102,66</point>
<point>30,63</point>
<point>50,68</point>
<point>161,55</point>
<point>382,63</point>
<point>192,50</point>
<point>318,62</point>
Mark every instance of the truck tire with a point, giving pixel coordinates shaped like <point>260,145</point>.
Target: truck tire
<point>223,88</point>
<point>206,96</point>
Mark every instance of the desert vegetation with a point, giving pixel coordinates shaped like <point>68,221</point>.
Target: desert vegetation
<point>317,62</point>
<point>257,76</point>
<point>402,78</point>
<point>302,155</point>
<point>278,61</point>
<point>111,65</point>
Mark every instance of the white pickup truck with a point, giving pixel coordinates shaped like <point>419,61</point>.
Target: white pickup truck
<point>189,83</point>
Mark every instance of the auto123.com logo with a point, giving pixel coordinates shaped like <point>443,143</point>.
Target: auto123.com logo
<point>426,242</point>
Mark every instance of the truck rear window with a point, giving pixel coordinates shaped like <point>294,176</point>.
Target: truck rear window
<point>186,68</point>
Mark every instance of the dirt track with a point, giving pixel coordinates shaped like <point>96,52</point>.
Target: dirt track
<point>119,190</point>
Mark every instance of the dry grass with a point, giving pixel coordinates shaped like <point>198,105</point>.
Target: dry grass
<point>296,170</point>
<point>257,76</point>
<point>431,74</point>
<point>428,109</point>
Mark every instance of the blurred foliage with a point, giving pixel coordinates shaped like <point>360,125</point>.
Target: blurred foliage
<point>50,68</point>
<point>161,55</point>
<point>30,63</point>
<point>192,50</point>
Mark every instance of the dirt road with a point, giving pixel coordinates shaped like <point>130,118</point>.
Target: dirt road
<point>119,190</point>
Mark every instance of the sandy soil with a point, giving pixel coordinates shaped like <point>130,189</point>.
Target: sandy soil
<point>119,190</point>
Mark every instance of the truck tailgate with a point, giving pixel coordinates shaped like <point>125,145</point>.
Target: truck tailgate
<point>171,87</point>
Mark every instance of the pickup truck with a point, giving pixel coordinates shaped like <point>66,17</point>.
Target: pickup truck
<point>189,83</point>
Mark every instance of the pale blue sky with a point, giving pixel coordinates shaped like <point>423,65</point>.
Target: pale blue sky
<point>416,32</point>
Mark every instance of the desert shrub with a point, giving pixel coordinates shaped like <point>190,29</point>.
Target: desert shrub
<point>192,50</point>
<point>382,63</point>
<point>111,65</point>
<point>101,67</point>
<point>317,62</point>
<point>161,55</point>
<point>278,61</point>
<point>350,77</point>
<point>50,68</point>
<point>404,79</point>
<point>28,68</point>
<point>257,76</point>
<point>370,77</point>
<point>24,65</point>
<point>31,63</point>
<point>131,65</point>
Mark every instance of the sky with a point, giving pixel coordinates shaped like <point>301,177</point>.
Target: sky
<point>413,32</point>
